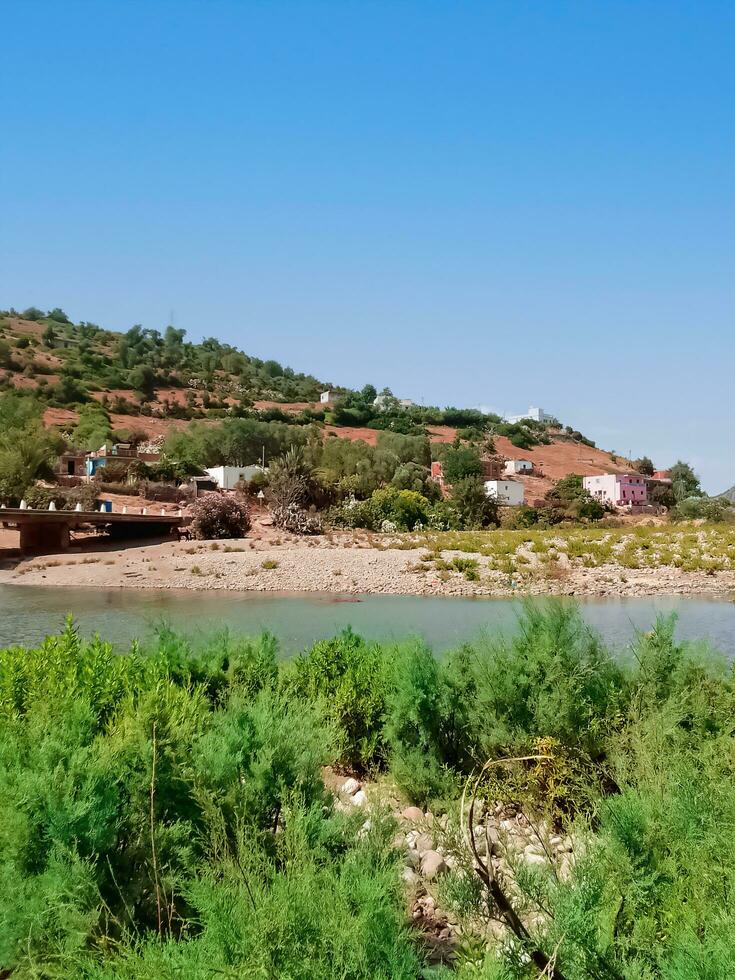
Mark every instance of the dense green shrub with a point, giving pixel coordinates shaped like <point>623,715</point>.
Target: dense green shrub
<point>163,813</point>
<point>349,675</point>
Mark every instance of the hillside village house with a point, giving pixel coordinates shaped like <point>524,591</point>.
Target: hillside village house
<point>513,466</point>
<point>618,489</point>
<point>326,397</point>
<point>508,492</point>
<point>535,414</point>
<point>120,452</point>
<point>227,477</point>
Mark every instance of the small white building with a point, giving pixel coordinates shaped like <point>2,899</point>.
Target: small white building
<point>518,466</point>
<point>507,492</point>
<point>535,414</point>
<point>326,397</point>
<point>227,477</point>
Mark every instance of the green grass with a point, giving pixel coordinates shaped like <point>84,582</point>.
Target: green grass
<point>708,548</point>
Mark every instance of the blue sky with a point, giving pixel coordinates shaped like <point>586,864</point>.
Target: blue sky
<point>490,203</point>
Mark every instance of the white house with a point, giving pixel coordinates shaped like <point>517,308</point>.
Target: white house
<point>326,397</point>
<point>517,466</point>
<point>535,414</point>
<point>227,477</point>
<point>508,492</point>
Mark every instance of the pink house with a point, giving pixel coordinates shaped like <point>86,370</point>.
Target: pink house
<point>617,489</point>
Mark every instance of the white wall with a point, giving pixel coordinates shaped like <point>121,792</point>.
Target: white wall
<point>518,466</point>
<point>508,492</point>
<point>227,477</point>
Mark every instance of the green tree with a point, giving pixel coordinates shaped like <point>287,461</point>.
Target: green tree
<point>143,379</point>
<point>460,462</point>
<point>684,481</point>
<point>32,313</point>
<point>644,465</point>
<point>58,315</point>
<point>27,450</point>
<point>94,428</point>
<point>473,506</point>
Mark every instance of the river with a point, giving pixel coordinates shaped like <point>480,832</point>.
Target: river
<point>28,613</point>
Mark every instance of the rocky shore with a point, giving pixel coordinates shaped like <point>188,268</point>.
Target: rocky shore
<point>349,564</point>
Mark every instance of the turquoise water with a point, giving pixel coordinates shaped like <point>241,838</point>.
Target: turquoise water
<point>28,613</point>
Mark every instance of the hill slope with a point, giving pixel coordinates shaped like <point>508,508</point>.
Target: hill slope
<point>156,382</point>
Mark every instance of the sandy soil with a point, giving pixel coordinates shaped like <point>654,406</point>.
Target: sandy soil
<point>351,563</point>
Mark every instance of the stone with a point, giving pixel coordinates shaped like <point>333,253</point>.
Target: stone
<point>423,843</point>
<point>412,814</point>
<point>412,859</point>
<point>432,865</point>
<point>350,786</point>
<point>359,799</point>
<point>534,858</point>
<point>534,848</point>
<point>409,877</point>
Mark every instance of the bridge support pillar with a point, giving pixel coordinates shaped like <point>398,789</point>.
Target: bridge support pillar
<point>44,537</point>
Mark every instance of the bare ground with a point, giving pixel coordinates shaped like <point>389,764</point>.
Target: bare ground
<point>346,563</point>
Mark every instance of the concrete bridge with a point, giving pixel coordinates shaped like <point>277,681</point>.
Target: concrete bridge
<point>48,530</point>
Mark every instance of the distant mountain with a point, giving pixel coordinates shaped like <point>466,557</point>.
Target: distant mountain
<point>729,495</point>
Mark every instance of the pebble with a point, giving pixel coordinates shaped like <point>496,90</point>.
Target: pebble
<point>412,814</point>
<point>350,786</point>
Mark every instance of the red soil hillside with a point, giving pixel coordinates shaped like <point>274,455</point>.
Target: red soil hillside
<point>557,460</point>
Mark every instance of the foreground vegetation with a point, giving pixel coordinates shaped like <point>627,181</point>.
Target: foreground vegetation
<point>163,813</point>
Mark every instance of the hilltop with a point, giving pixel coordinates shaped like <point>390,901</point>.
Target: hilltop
<point>151,383</point>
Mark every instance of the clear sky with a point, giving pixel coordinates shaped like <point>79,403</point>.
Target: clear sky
<point>489,203</point>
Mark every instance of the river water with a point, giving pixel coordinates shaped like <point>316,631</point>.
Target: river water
<point>28,613</point>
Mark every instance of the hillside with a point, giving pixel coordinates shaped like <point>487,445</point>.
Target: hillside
<point>153,383</point>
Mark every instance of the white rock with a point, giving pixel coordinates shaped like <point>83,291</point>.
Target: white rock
<point>534,858</point>
<point>349,787</point>
<point>409,877</point>
<point>423,843</point>
<point>359,798</point>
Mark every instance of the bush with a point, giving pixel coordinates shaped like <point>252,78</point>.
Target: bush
<point>715,509</point>
<point>39,498</point>
<point>219,516</point>
<point>406,510</point>
<point>348,676</point>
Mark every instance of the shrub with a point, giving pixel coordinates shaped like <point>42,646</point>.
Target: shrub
<point>348,676</point>
<point>219,516</point>
<point>715,509</point>
<point>404,509</point>
<point>39,498</point>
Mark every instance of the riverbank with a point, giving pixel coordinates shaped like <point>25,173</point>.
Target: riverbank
<point>582,562</point>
